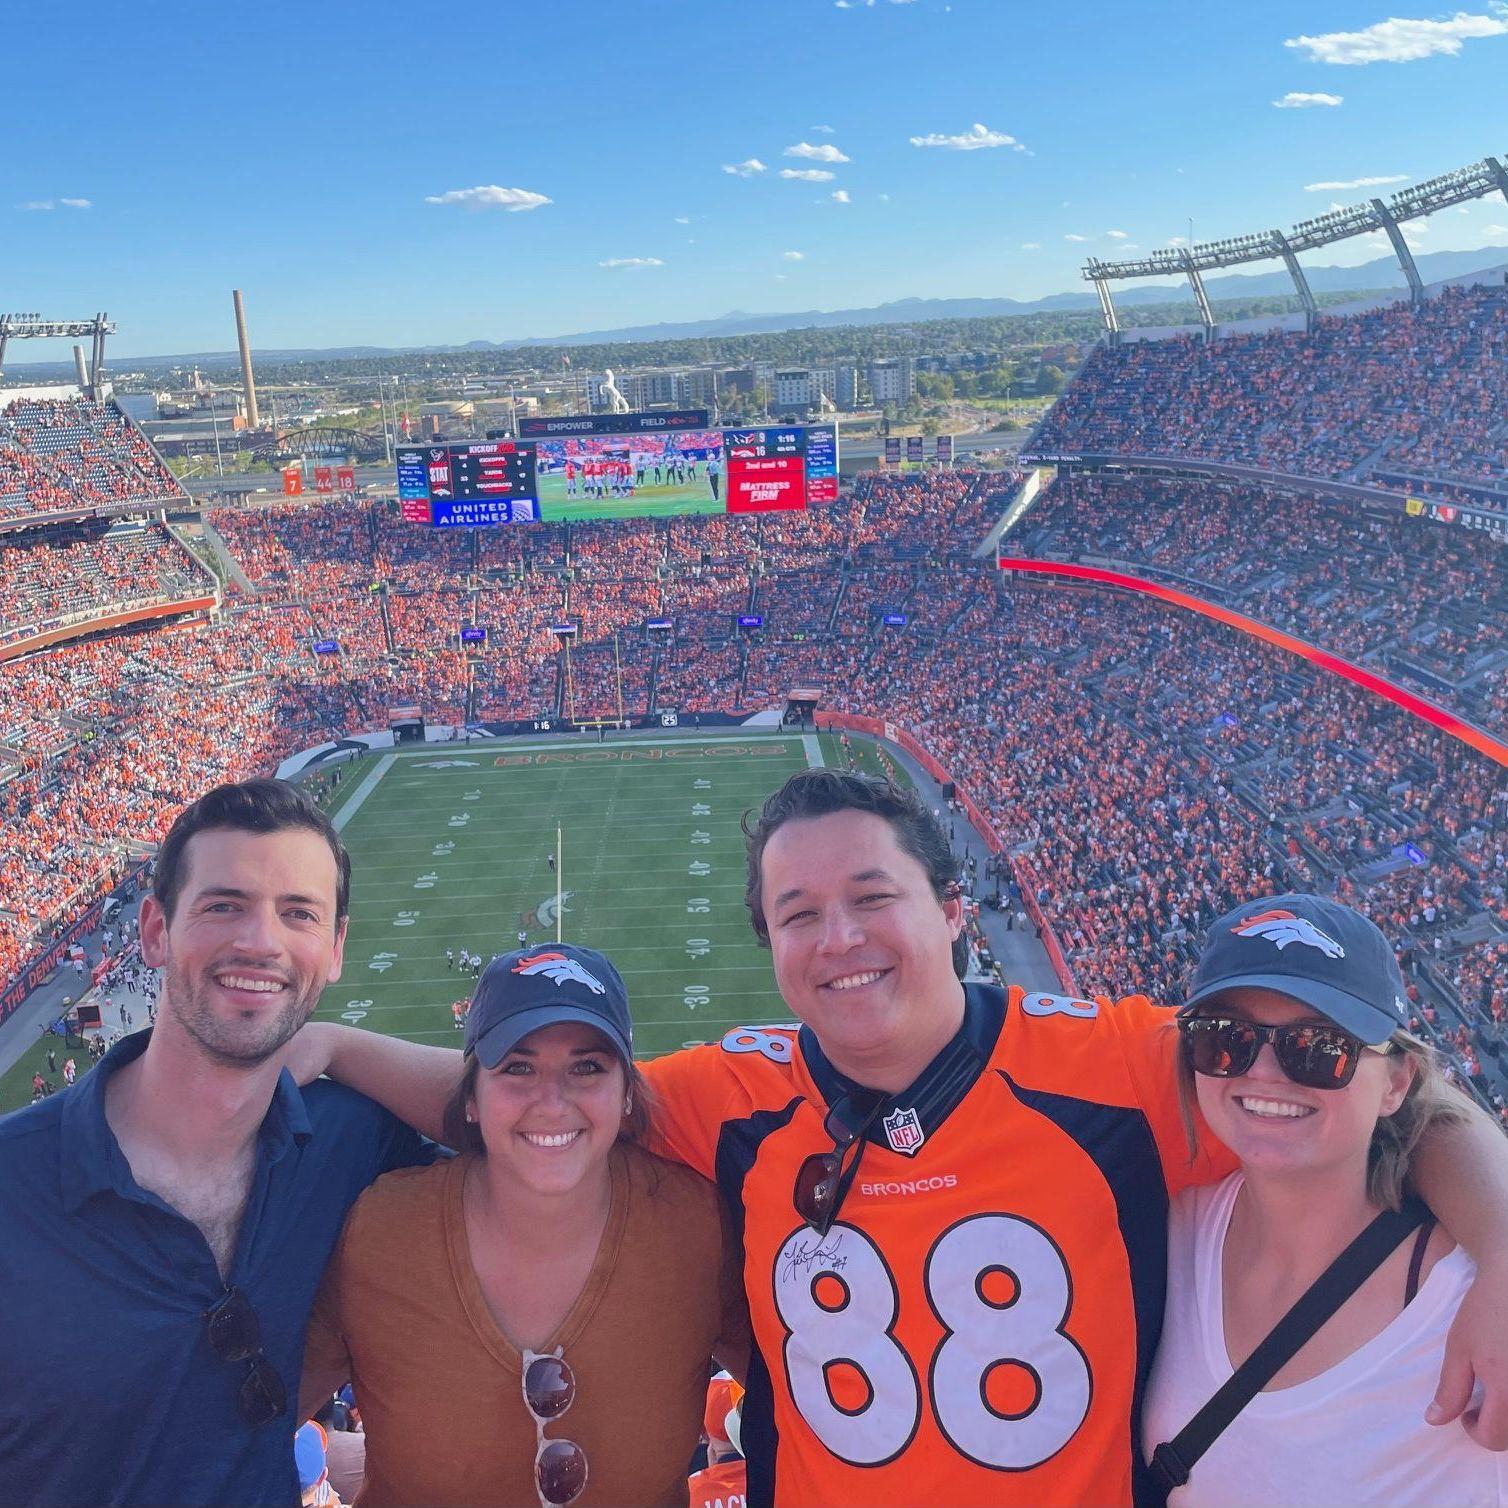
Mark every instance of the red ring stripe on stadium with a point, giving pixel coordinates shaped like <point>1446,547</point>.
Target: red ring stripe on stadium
<point>1448,722</point>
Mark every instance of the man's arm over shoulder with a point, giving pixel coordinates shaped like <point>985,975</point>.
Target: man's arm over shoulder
<point>696,1090</point>
<point>410,1080</point>
<point>1116,1052</point>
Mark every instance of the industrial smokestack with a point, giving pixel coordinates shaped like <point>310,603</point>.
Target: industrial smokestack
<point>78,367</point>
<point>253,419</point>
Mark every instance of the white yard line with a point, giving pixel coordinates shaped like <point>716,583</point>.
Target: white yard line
<point>813,747</point>
<point>364,790</point>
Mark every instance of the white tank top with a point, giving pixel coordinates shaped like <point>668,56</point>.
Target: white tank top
<point>1354,1435</point>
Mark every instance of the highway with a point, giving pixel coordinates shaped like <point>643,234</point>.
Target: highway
<point>867,448</point>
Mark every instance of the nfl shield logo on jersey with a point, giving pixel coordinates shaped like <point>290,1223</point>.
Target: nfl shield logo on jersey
<point>903,1130</point>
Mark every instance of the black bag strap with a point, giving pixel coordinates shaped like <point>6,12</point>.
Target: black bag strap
<point>1173,1460</point>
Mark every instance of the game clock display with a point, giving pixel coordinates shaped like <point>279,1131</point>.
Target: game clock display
<point>772,470</point>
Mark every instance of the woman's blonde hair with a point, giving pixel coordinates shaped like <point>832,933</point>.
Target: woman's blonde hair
<point>1430,1100</point>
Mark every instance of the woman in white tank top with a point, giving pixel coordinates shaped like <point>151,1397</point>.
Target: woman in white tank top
<point>1295,1044</point>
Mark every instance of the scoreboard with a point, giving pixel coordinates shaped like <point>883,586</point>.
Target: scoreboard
<point>483,482</point>
<point>618,466</point>
<point>780,468</point>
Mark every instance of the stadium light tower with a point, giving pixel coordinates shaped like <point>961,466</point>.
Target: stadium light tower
<point>1206,314</point>
<point>1475,181</point>
<point>1296,272</point>
<point>34,327</point>
<point>1401,250</point>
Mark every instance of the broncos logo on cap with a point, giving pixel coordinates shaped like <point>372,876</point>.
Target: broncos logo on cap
<point>558,967</point>
<point>1283,927</point>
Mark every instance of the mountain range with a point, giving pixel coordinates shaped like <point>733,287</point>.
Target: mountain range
<point>1383,272</point>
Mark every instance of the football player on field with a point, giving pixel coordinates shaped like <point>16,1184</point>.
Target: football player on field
<point>952,1199</point>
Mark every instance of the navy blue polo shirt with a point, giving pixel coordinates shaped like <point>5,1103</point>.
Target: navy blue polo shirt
<point>109,1393</point>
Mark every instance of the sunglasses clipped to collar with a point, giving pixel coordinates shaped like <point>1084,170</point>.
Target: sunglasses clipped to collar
<point>1312,1054</point>
<point>824,1178</point>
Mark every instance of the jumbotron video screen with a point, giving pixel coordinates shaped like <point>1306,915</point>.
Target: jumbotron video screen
<point>618,466</point>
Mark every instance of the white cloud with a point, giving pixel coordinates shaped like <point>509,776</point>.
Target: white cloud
<point>840,196</point>
<point>808,175</point>
<point>683,219</point>
<point>824,153</point>
<point>745,169</point>
<point>1071,237</point>
<point>490,196</point>
<point>1495,230</point>
<point>793,256</point>
<point>972,140</point>
<point>883,198</point>
<point>76,203</point>
<point>825,130</point>
<point>1031,246</point>
<point>1400,41</point>
<point>47,204</point>
<point>1116,235</point>
<point>1298,100</point>
<point>1330,184</point>
<point>632,262</point>
<point>1177,241</point>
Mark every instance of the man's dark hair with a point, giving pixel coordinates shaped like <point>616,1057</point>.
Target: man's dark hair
<point>251,806</point>
<point>820,793</point>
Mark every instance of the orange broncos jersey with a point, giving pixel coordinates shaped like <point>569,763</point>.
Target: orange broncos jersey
<point>978,1325</point>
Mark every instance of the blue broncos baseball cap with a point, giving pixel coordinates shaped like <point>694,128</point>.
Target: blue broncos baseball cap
<point>1313,950</point>
<point>539,986</point>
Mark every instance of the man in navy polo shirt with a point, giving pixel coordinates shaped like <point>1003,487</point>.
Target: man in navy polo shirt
<point>164,1225</point>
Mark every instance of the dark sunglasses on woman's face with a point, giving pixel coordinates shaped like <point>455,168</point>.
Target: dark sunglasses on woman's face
<point>1310,1053</point>
<point>235,1334</point>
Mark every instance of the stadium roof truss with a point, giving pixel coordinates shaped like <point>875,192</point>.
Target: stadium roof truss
<point>1388,216</point>
<point>34,327</point>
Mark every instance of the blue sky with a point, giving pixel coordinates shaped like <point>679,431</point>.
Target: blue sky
<point>297,151</point>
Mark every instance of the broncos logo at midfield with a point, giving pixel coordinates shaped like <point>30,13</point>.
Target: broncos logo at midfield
<point>558,967</point>
<point>1283,927</point>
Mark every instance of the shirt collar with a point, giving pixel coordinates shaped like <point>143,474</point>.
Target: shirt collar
<point>941,1086</point>
<point>91,1161</point>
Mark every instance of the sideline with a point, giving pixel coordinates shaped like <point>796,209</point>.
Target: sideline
<point>356,800</point>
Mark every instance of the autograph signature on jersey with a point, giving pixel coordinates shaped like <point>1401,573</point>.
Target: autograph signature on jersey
<point>802,1255</point>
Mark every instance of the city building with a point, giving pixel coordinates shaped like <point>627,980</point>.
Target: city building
<point>794,390</point>
<point>845,392</point>
<point>892,380</point>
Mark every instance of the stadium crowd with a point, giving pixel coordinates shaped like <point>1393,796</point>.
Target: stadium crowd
<point>1145,769</point>
<point>60,454</point>
<point>1142,817</point>
<point>64,573</point>
<point>1348,581</point>
<point>1414,394</point>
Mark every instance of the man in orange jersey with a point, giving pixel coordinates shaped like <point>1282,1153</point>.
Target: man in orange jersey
<point>952,1199</point>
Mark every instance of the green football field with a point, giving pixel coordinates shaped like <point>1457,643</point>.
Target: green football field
<point>648,501</point>
<point>450,848</point>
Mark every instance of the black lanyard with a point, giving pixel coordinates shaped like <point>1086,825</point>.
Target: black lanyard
<point>1173,1460</point>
